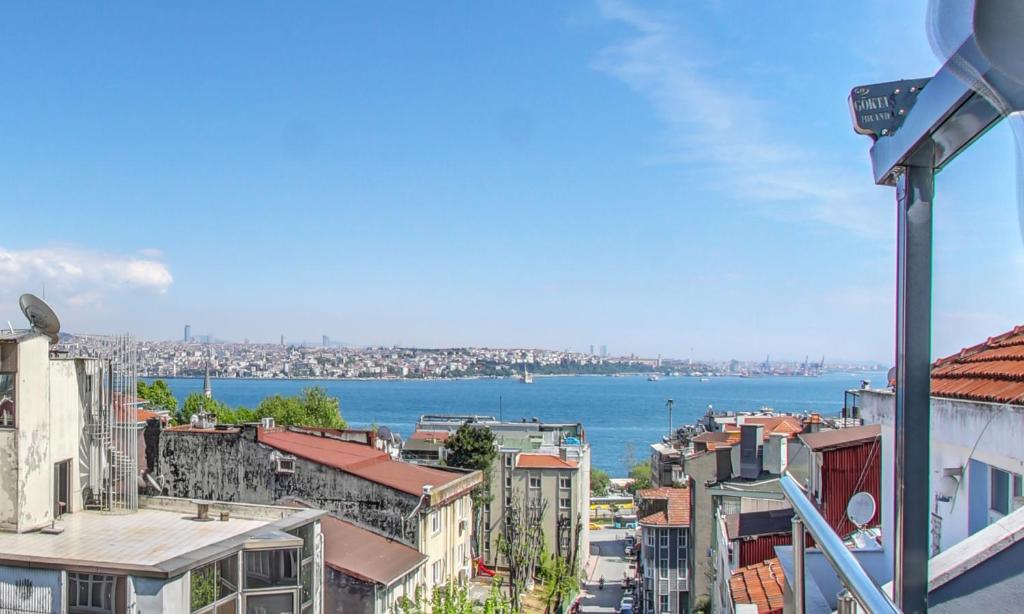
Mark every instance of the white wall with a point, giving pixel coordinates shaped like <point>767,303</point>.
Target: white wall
<point>960,430</point>
<point>159,595</point>
<point>35,469</point>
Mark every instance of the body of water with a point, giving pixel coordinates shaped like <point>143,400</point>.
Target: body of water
<point>617,412</point>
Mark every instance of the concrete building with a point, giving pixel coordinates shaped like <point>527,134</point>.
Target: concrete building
<point>76,538</point>
<point>343,472</point>
<point>666,563</point>
<point>537,461</point>
<point>977,416</point>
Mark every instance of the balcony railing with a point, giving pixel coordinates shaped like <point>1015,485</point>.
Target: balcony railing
<point>806,519</point>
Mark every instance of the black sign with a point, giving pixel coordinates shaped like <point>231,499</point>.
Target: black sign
<point>879,109</point>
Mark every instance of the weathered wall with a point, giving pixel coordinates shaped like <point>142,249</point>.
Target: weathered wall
<point>31,590</point>
<point>35,469</point>
<point>702,469</point>
<point>8,479</point>
<point>234,467</point>
<point>347,595</point>
<point>159,595</point>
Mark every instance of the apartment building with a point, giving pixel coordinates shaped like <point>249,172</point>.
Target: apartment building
<point>342,472</point>
<point>536,462</point>
<point>666,561</point>
<point>76,537</point>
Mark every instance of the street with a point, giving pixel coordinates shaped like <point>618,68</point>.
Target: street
<point>607,559</point>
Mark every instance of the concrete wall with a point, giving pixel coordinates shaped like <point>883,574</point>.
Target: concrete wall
<point>452,544</point>
<point>31,590</point>
<point>234,467</point>
<point>35,469</point>
<point>162,595</point>
<point>8,479</point>
<point>703,469</point>
<point>344,594</point>
<point>988,433</point>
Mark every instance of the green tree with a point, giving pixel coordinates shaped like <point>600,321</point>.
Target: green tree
<point>157,395</point>
<point>313,407</point>
<point>599,482</point>
<point>473,446</point>
<point>455,599</point>
<point>196,402</point>
<point>641,476</point>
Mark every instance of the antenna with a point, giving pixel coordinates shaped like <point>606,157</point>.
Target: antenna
<point>40,316</point>
<point>861,509</point>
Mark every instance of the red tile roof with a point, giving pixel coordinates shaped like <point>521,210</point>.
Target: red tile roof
<point>430,436</point>
<point>992,371</point>
<point>788,425</point>
<point>543,461</point>
<point>672,506</point>
<point>760,584</point>
<point>358,459</point>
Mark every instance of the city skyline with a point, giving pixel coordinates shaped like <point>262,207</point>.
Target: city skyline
<point>644,177</point>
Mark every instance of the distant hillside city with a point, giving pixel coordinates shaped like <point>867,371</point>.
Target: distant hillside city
<point>194,357</point>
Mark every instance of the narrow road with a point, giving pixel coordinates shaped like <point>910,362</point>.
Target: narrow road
<point>607,558</point>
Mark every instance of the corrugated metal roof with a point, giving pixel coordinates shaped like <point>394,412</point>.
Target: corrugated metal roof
<point>840,438</point>
<point>991,371</point>
<point>358,459</point>
<point>760,584</point>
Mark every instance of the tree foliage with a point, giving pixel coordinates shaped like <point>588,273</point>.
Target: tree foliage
<point>641,476</point>
<point>157,395</point>
<point>454,599</point>
<point>312,407</point>
<point>473,446</point>
<point>599,482</point>
<point>522,543</point>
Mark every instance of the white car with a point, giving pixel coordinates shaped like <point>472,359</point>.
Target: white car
<point>626,604</point>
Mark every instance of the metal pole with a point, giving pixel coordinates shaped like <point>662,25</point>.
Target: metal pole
<point>669,404</point>
<point>914,194</point>
<point>798,565</point>
<point>845,603</point>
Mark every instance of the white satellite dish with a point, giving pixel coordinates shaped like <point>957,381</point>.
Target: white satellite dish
<point>861,509</point>
<point>40,316</point>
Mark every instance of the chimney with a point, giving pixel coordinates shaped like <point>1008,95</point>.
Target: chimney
<point>776,453</point>
<point>751,451</point>
<point>267,422</point>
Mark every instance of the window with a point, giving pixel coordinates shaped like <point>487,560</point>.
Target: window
<point>306,532</point>
<point>213,582</point>
<point>663,539</point>
<point>437,570</point>
<point>7,399</point>
<point>508,460</point>
<point>284,465</point>
<point>435,523</point>
<point>565,483</point>
<point>282,603</point>
<point>664,603</point>
<point>663,568</point>
<point>508,500</point>
<point>271,568</point>
<point>534,480</point>
<point>1003,487</point>
<point>649,537</point>
<point>508,480</point>
<point>89,593</point>
<point>564,503</point>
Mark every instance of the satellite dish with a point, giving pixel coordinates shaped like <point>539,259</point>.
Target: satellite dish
<point>40,316</point>
<point>384,432</point>
<point>861,509</point>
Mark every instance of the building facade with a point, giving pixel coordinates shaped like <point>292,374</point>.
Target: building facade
<point>666,563</point>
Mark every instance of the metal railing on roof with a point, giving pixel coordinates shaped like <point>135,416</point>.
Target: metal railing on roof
<point>806,517</point>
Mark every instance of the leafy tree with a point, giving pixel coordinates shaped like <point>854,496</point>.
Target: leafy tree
<point>522,543</point>
<point>454,599</point>
<point>473,446</point>
<point>641,476</point>
<point>560,572</point>
<point>313,407</point>
<point>157,395</point>
<point>599,482</point>
<point>196,402</point>
<point>702,605</point>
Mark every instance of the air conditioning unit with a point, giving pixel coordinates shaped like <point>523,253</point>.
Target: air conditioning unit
<point>284,465</point>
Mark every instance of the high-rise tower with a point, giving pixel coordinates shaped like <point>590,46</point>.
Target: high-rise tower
<point>188,333</point>
<point>207,386</point>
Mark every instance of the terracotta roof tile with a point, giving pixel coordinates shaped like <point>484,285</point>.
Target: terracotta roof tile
<point>543,461</point>
<point>760,584</point>
<point>675,511</point>
<point>430,436</point>
<point>991,371</point>
<point>358,459</point>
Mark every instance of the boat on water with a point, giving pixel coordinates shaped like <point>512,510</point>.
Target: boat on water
<point>653,377</point>
<point>705,379</point>
<point>526,377</point>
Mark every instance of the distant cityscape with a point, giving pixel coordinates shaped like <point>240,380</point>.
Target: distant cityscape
<point>193,357</point>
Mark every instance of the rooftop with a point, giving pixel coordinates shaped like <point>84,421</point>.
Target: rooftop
<point>366,555</point>
<point>768,522</point>
<point>760,584</point>
<point>842,438</point>
<point>543,461</point>
<point>162,539</point>
<point>671,507</point>
<point>364,461</point>
<point>429,436</point>
<point>991,371</point>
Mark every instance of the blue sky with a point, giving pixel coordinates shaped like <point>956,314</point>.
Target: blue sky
<point>675,178</point>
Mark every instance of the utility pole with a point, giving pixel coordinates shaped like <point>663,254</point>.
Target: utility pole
<point>669,403</point>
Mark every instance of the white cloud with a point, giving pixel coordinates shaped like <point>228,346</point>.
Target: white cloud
<point>717,125</point>
<point>79,276</point>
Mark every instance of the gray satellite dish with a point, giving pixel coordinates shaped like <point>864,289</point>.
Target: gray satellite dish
<point>861,509</point>
<point>40,316</point>
<point>384,433</point>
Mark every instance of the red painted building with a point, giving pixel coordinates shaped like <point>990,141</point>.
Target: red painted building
<point>844,462</point>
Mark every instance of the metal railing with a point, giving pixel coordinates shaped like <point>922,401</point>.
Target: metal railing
<point>806,518</point>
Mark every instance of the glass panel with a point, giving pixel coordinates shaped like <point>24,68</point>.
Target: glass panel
<point>228,607</point>
<point>227,570</point>
<point>269,604</point>
<point>270,568</point>
<point>203,586</point>
<point>307,581</point>
<point>306,533</point>
<point>1000,499</point>
<point>7,399</point>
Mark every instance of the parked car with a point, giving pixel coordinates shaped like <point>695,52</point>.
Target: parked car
<point>626,605</point>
